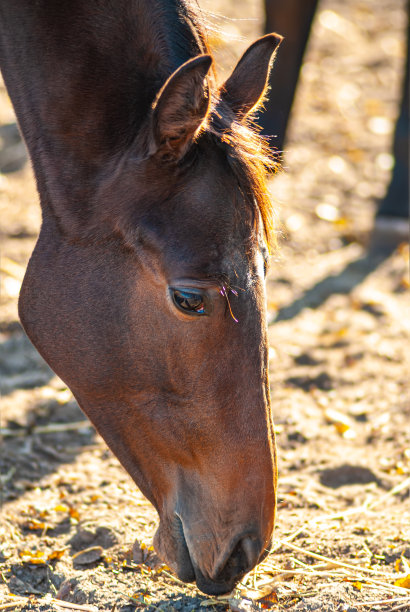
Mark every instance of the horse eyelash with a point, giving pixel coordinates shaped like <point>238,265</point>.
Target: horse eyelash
<point>224,293</point>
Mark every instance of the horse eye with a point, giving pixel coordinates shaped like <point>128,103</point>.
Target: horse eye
<point>190,301</point>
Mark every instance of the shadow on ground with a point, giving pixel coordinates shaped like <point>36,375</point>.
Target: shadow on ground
<point>343,283</point>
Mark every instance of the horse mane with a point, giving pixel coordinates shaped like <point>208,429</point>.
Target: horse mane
<point>251,160</point>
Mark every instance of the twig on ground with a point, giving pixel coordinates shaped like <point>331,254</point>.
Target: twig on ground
<point>12,268</point>
<point>21,601</point>
<point>68,604</point>
<point>174,578</point>
<point>356,572</point>
<point>400,487</point>
<point>12,605</point>
<point>381,602</point>
<point>333,561</point>
<point>327,574</point>
<point>45,429</point>
<point>401,606</point>
<point>325,517</point>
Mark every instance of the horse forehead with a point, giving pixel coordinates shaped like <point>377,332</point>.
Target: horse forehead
<point>216,223</point>
<point>206,246</point>
<point>212,224</point>
<point>213,201</point>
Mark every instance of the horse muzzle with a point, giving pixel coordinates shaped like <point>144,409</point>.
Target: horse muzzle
<point>215,567</point>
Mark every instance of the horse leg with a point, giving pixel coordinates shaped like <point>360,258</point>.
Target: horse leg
<point>293,19</point>
<point>396,201</point>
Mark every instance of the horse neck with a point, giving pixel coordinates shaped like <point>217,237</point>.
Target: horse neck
<point>82,76</point>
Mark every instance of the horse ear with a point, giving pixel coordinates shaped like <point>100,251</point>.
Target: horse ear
<point>180,108</point>
<point>246,88</point>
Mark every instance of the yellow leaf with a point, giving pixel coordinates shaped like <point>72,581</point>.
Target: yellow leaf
<point>56,554</point>
<point>357,585</point>
<point>35,558</point>
<point>405,283</point>
<point>23,553</point>
<point>403,582</point>
<point>341,422</point>
<point>405,563</point>
<point>74,514</point>
<point>34,524</point>
<point>29,553</point>
<point>341,224</point>
<point>341,428</point>
<point>61,508</point>
<point>397,565</point>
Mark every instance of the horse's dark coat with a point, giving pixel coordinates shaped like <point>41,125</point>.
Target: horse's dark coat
<point>150,180</point>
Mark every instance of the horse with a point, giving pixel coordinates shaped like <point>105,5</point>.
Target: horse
<point>145,291</point>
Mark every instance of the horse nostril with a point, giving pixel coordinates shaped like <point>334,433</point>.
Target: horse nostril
<point>243,558</point>
<point>251,549</point>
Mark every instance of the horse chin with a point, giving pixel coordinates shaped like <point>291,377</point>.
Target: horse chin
<point>210,587</point>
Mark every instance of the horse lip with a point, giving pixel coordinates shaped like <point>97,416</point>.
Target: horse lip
<point>185,568</point>
<point>213,588</point>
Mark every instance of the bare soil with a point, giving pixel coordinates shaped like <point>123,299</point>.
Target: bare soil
<point>339,335</point>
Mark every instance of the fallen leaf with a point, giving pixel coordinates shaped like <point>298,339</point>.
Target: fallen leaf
<point>35,525</point>
<point>405,282</point>
<point>357,585</point>
<point>61,508</point>
<point>403,582</point>
<point>341,422</point>
<point>405,563</point>
<point>342,223</point>
<point>269,600</point>
<point>74,514</point>
<point>341,428</point>
<point>56,554</point>
<point>35,557</point>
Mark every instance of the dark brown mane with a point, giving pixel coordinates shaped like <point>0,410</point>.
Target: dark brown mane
<point>251,160</point>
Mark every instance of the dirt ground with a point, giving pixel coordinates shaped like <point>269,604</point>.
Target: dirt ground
<point>339,335</point>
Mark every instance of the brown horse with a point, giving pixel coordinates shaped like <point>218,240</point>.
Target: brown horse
<point>145,292</point>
